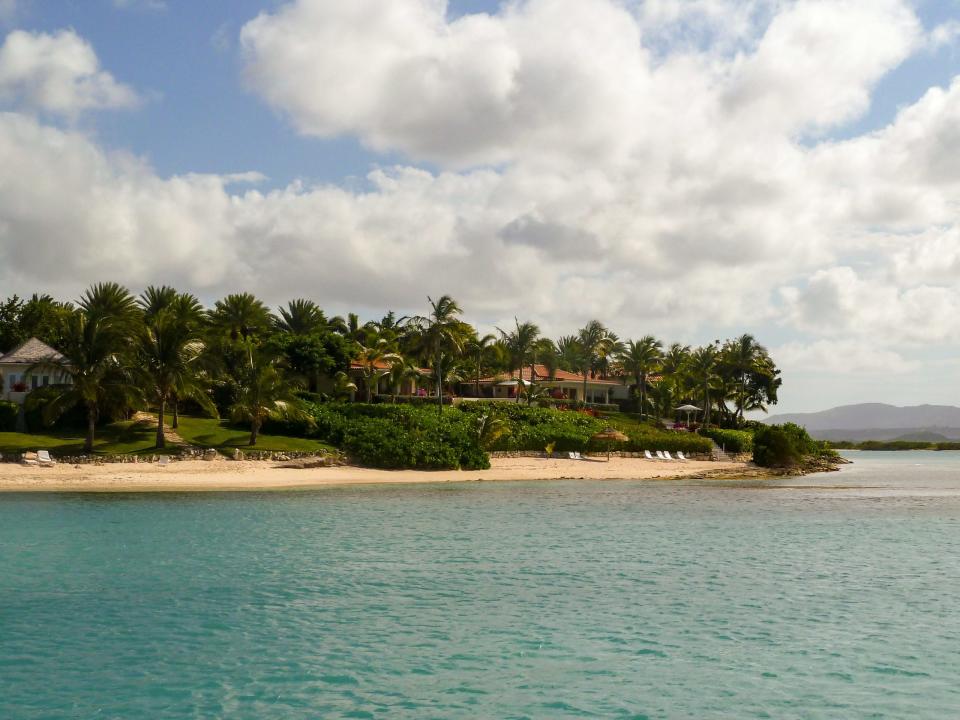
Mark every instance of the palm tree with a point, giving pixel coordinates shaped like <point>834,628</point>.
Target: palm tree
<point>400,372</point>
<point>240,317</point>
<point>96,339</point>
<point>372,359</point>
<point>441,334</point>
<point>702,366</point>
<point>262,390</point>
<point>520,343</point>
<point>640,358</point>
<point>594,339</point>
<point>301,317</point>
<point>742,358</point>
<point>480,346</point>
<point>168,350</point>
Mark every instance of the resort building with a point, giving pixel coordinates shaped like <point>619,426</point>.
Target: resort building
<point>23,369</point>
<point>409,386</point>
<point>561,385</point>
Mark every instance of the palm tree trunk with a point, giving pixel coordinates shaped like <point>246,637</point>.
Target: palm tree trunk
<point>91,428</point>
<point>176,412</point>
<point>439,387</point>
<point>642,379</point>
<point>530,391</point>
<point>161,440</point>
<point>254,431</point>
<point>477,388</point>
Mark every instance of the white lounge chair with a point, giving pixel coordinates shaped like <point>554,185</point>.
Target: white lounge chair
<point>648,456</point>
<point>163,460</point>
<point>577,455</point>
<point>29,458</point>
<point>660,455</point>
<point>43,458</point>
<point>680,456</point>
<point>667,455</point>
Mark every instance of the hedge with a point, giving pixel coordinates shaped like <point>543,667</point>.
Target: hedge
<point>735,441</point>
<point>8,416</point>
<point>785,446</point>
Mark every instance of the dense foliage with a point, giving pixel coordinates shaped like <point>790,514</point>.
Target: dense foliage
<point>164,351</point>
<point>8,416</point>
<point>735,441</point>
<point>399,436</point>
<point>785,445</point>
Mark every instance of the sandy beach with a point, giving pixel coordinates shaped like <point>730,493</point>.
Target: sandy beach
<point>225,475</point>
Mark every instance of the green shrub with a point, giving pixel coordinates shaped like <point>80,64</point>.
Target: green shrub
<point>401,436</point>
<point>38,399</point>
<point>735,441</point>
<point>8,416</point>
<point>785,445</point>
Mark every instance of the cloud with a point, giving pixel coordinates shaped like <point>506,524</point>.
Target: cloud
<point>581,167</point>
<point>841,357</point>
<point>57,74</point>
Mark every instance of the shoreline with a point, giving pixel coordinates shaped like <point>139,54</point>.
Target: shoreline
<point>246,476</point>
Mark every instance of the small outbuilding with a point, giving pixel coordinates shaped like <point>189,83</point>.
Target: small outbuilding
<point>28,367</point>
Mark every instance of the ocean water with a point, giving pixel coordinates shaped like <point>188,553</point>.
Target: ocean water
<point>833,596</point>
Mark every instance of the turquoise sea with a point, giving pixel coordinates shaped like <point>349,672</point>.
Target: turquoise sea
<point>491,600</point>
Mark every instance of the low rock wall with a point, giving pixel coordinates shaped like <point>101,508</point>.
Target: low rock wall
<point>706,457</point>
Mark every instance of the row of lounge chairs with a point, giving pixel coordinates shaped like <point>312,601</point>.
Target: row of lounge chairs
<point>661,455</point>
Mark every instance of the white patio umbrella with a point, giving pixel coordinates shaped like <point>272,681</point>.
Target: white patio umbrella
<point>688,409</point>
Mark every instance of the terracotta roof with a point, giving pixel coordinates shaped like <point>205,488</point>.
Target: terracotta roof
<point>542,374</point>
<point>382,365</point>
<point>30,352</point>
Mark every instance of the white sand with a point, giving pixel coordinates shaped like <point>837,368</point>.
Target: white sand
<point>221,474</point>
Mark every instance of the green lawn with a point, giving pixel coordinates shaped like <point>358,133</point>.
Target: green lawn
<point>207,432</point>
<point>114,439</point>
<point>129,438</point>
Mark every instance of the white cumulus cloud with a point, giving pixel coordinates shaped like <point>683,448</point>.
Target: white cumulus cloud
<point>57,73</point>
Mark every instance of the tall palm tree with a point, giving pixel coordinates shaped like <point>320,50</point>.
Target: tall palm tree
<point>521,342</point>
<point>95,343</point>
<point>702,367</point>
<point>168,350</point>
<point>240,317</point>
<point>594,339</point>
<point>479,347</point>
<point>441,334</point>
<point>401,371</point>
<point>262,389</point>
<point>742,357</point>
<point>640,358</point>
<point>301,317</point>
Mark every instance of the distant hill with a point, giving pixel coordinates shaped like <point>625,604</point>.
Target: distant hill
<point>877,421</point>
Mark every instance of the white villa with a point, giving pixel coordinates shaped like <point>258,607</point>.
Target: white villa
<point>22,370</point>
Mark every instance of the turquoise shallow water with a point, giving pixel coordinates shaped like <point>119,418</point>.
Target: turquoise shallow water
<point>555,600</point>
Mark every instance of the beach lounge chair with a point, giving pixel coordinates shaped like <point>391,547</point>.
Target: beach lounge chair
<point>163,460</point>
<point>577,455</point>
<point>660,455</point>
<point>667,455</point>
<point>681,456</point>
<point>648,456</point>
<point>29,458</point>
<point>43,458</point>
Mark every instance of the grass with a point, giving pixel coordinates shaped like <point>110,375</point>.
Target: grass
<point>119,438</point>
<point>207,432</point>
<point>138,438</point>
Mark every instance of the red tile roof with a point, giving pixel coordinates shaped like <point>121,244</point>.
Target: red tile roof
<point>542,374</point>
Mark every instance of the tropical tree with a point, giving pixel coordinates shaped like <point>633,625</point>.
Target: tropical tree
<point>240,317</point>
<point>520,343</point>
<point>640,358</point>
<point>168,351</point>
<point>401,371</point>
<point>441,335</point>
<point>301,317</point>
<point>262,389</point>
<point>479,347</point>
<point>753,373</point>
<point>594,340</point>
<point>372,361</point>
<point>702,367</point>
<point>94,350</point>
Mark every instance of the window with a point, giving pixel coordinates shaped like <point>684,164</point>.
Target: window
<point>46,380</point>
<point>34,382</point>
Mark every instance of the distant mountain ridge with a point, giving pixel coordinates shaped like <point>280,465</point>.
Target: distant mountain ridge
<point>877,421</point>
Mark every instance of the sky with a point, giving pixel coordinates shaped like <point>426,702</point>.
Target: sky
<point>692,169</point>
